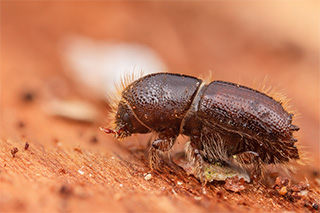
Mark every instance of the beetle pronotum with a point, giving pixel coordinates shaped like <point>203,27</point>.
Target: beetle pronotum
<point>221,119</point>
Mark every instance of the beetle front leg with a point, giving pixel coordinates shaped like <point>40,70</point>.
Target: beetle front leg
<point>193,155</point>
<point>163,144</point>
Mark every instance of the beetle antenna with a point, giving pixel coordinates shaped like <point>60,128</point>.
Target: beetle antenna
<point>110,131</point>
<point>107,131</point>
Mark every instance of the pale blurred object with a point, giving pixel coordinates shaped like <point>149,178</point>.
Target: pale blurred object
<point>72,109</point>
<point>100,64</point>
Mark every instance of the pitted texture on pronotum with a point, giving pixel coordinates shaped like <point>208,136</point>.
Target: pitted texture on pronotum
<point>161,101</point>
<point>222,119</point>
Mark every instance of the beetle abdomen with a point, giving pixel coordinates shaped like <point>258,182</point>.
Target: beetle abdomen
<point>161,100</point>
<point>240,108</point>
<point>260,122</point>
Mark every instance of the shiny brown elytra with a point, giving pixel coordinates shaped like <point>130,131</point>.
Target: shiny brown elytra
<point>224,121</point>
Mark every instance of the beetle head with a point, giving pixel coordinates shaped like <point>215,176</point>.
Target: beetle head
<point>125,122</point>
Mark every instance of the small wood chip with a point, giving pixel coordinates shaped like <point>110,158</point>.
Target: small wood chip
<point>235,184</point>
<point>148,176</point>
<point>283,190</point>
<point>26,146</point>
<point>14,151</point>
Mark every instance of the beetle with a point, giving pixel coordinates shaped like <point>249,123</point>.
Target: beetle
<point>224,121</point>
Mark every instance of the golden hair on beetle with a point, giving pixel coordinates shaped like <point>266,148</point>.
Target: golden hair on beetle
<point>115,96</point>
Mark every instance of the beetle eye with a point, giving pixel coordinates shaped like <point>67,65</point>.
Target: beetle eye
<point>126,117</point>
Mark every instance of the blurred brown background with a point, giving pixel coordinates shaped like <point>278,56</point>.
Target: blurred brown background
<point>71,165</point>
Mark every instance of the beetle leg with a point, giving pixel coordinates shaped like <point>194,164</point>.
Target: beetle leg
<point>193,155</point>
<point>163,144</point>
<point>253,158</point>
<point>247,157</point>
<point>257,172</point>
